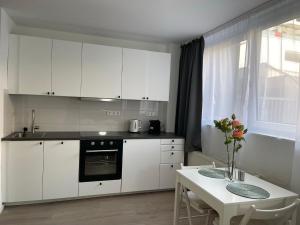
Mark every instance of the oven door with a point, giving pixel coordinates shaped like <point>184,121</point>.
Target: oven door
<point>104,164</point>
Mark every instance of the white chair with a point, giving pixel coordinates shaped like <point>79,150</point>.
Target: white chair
<point>192,200</point>
<point>282,216</point>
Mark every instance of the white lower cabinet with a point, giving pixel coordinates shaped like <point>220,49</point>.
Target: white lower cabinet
<point>61,165</point>
<point>24,171</point>
<point>171,155</point>
<point>99,187</point>
<point>44,170</point>
<point>140,171</point>
<point>167,175</point>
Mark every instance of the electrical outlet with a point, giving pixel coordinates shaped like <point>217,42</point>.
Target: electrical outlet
<point>150,114</point>
<point>112,113</point>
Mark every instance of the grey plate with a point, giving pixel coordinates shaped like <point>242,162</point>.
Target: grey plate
<point>212,173</point>
<point>248,191</point>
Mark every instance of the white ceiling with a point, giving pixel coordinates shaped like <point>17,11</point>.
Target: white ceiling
<point>156,20</point>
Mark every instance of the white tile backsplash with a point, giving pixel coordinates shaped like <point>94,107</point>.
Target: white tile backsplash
<point>73,114</point>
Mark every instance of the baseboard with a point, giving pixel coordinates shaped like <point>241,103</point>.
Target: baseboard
<point>85,197</point>
<point>1,208</point>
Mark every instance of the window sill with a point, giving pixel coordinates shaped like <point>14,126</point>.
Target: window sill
<point>272,136</point>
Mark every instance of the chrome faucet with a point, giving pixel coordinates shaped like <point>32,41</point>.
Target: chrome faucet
<point>33,126</point>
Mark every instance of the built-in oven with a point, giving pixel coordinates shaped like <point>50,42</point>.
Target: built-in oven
<point>100,160</point>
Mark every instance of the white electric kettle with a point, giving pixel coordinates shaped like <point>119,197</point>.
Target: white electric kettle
<point>135,126</point>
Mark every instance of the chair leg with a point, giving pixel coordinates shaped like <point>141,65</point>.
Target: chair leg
<point>207,219</point>
<point>211,218</point>
<point>188,206</point>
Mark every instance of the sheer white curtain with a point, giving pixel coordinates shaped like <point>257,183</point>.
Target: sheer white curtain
<point>225,77</point>
<point>252,68</point>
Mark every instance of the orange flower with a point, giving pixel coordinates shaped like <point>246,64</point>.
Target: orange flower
<point>238,134</point>
<point>235,123</point>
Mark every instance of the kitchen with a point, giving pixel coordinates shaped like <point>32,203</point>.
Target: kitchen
<point>107,159</point>
<point>102,113</point>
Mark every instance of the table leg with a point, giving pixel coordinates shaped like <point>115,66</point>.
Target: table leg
<point>225,217</point>
<point>177,201</point>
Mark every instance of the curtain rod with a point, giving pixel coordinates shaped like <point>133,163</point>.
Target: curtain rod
<point>239,18</point>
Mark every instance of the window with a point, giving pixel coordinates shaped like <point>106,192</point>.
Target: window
<point>278,79</point>
<point>254,72</point>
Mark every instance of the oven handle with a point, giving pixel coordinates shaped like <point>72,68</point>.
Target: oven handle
<point>91,151</point>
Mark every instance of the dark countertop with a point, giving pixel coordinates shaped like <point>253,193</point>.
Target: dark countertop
<point>87,136</point>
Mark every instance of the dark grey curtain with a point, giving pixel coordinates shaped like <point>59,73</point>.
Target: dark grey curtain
<point>189,99</point>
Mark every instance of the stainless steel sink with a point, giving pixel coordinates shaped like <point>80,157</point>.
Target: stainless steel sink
<point>28,135</point>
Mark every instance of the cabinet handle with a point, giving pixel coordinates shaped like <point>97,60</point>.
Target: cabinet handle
<point>62,142</point>
<point>172,166</point>
<point>147,98</point>
<point>53,93</point>
<point>41,143</point>
<point>48,93</point>
<point>119,96</point>
<point>172,153</point>
<point>172,141</point>
<point>125,141</point>
<point>172,147</point>
<point>100,184</point>
<point>143,98</point>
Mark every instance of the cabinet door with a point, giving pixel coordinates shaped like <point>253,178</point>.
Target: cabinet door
<point>101,71</point>
<point>167,175</point>
<point>134,74</point>
<point>61,165</point>
<point>24,171</point>
<point>99,187</point>
<point>172,157</point>
<point>141,161</point>
<point>158,80</point>
<point>34,65</point>
<point>66,68</point>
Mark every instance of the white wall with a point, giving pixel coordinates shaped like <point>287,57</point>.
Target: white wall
<point>175,50</point>
<point>267,156</point>
<point>72,114</point>
<point>6,25</point>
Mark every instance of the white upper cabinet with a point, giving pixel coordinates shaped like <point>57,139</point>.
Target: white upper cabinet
<point>66,68</point>
<point>32,58</point>
<point>42,66</point>
<point>101,71</point>
<point>146,75</point>
<point>61,165</point>
<point>158,81</point>
<point>134,74</point>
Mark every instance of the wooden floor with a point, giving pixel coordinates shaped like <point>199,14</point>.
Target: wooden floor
<point>139,209</point>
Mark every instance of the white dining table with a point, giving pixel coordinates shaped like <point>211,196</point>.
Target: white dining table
<point>213,191</point>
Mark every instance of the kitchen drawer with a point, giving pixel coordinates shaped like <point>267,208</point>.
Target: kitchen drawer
<point>171,147</point>
<point>99,187</point>
<point>172,141</point>
<point>172,157</point>
<point>167,175</point>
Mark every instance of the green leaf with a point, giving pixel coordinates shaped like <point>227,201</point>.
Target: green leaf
<point>240,127</point>
<point>245,131</point>
<point>227,142</point>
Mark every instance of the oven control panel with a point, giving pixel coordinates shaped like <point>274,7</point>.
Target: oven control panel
<point>101,144</point>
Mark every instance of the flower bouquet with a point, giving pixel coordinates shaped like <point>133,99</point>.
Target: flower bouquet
<point>234,132</point>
